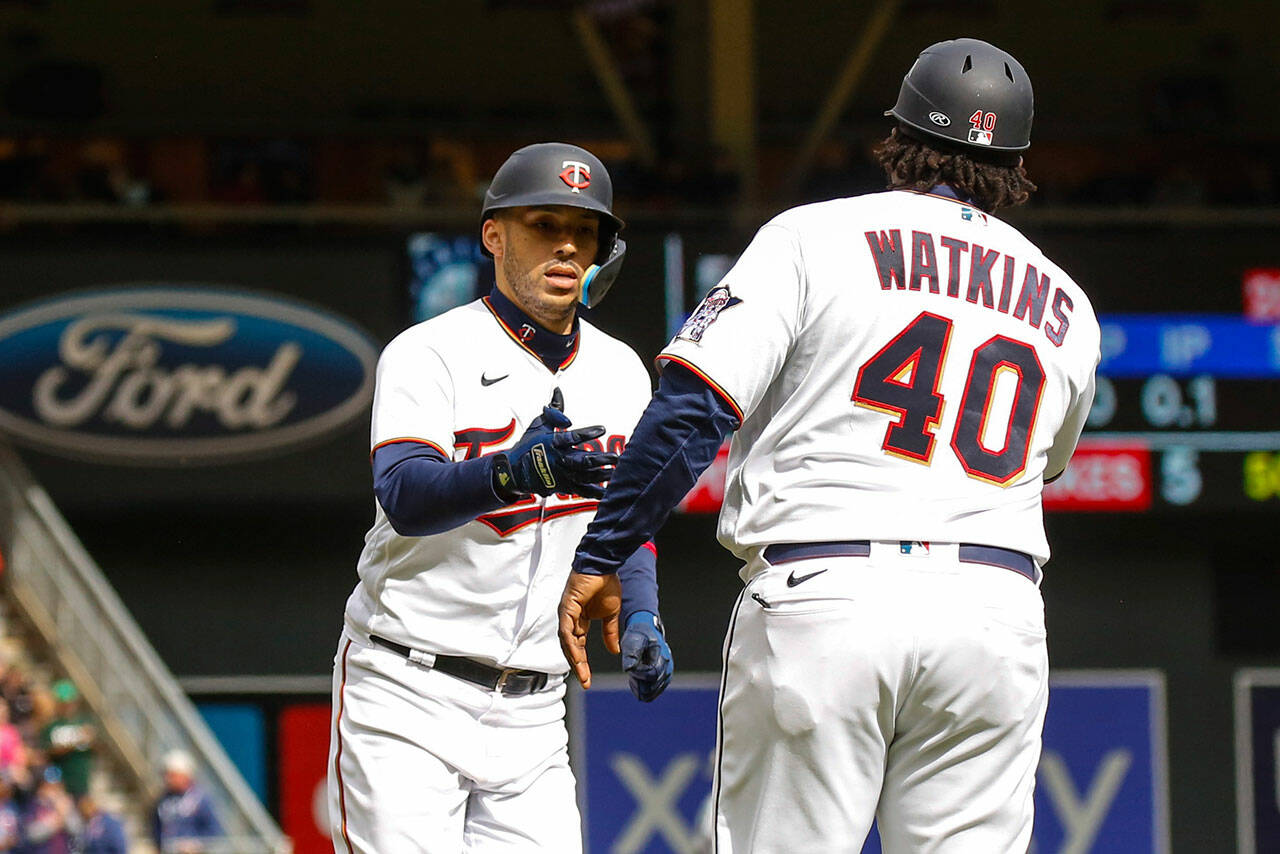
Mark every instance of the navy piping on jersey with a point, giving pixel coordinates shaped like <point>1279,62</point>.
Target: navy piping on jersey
<point>677,438</point>
<point>554,351</point>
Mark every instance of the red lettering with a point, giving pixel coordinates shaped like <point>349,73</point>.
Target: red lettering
<point>1103,477</point>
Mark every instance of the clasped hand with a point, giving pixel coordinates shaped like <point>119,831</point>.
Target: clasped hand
<point>646,656</point>
<point>547,458</point>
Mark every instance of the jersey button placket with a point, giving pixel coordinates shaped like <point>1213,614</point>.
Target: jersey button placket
<point>521,628</point>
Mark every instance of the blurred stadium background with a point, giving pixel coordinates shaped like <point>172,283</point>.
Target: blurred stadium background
<point>179,540</point>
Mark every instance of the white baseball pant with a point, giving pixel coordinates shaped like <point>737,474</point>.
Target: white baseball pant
<point>420,761</point>
<point>910,688</point>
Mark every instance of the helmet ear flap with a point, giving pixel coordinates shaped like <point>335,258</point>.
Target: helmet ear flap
<point>598,278</point>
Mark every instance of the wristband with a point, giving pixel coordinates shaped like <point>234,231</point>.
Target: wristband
<point>504,481</point>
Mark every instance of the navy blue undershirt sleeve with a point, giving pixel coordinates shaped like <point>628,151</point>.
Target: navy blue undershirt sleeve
<point>677,438</point>
<point>639,577</point>
<point>422,492</point>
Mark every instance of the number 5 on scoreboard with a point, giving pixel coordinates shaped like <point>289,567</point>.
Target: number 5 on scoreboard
<point>902,380</point>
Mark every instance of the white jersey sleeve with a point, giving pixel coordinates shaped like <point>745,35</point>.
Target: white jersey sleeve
<point>413,398</point>
<point>757,308</point>
<point>1064,443</point>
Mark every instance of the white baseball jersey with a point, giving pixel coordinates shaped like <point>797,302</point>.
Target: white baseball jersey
<point>917,368</point>
<point>464,383</point>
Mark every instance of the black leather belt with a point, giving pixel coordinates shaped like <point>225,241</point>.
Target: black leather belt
<point>969,553</point>
<point>511,682</point>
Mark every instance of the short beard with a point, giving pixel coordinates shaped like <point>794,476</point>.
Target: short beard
<point>548,315</point>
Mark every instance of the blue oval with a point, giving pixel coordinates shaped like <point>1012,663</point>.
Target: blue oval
<point>162,375</point>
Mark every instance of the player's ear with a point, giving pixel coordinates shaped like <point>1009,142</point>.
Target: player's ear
<point>492,235</point>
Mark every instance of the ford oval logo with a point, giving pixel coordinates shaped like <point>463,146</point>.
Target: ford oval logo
<point>940,119</point>
<point>176,375</point>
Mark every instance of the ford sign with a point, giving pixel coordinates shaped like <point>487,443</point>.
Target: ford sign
<point>176,375</point>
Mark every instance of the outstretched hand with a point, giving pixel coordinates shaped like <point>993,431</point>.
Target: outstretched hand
<point>586,598</point>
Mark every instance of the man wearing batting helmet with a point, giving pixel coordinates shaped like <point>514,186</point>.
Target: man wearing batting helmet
<point>448,689</point>
<point>904,372</point>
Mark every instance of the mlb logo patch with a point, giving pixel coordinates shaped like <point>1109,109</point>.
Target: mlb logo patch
<point>979,137</point>
<point>914,547</point>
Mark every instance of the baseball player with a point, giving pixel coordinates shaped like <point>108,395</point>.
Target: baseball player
<point>448,714</point>
<point>904,372</point>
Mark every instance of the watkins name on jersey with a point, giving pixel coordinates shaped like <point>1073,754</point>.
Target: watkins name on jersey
<point>981,275</point>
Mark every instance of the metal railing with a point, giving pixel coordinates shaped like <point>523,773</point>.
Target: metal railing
<point>64,598</point>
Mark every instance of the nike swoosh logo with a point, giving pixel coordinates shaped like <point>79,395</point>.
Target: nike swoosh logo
<point>486,381</point>
<point>793,579</point>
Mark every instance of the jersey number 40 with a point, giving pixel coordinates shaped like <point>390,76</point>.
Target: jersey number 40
<point>902,379</point>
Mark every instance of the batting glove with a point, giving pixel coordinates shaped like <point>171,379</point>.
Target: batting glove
<point>552,417</point>
<point>646,657</point>
<point>546,459</point>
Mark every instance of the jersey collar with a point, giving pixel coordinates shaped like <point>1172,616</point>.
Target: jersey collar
<point>554,351</point>
<point>947,191</point>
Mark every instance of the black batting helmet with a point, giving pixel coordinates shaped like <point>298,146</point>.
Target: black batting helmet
<point>557,173</point>
<point>968,93</point>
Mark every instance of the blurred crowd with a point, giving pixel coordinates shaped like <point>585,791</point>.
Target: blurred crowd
<point>449,173</point>
<point>47,752</point>
<point>52,801</point>
<point>1191,133</point>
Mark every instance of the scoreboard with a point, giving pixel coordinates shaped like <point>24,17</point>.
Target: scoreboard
<point>1186,417</point>
<point>1189,374</point>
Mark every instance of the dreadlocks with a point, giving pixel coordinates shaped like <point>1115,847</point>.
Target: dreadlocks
<point>912,164</point>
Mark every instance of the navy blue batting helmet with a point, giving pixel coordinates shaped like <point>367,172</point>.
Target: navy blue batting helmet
<point>558,173</point>
<point>968,93</point>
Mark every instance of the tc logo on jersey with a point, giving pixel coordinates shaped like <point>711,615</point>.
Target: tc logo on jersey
<point>526,333</point>
<point>716,301</point>
<point>576,175</point>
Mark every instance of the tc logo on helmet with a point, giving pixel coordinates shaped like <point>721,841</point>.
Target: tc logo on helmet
<point>576,175</point>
